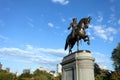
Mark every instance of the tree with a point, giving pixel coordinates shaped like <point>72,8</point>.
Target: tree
<point>115,75</point>
<point>104,75</point>
<point>97,69</point>
<point>4,75</point>
<point>58,77</point>
<point>25,76</point>
<point>116,58</point>
<point>42,75</point>
<point>101,74</point>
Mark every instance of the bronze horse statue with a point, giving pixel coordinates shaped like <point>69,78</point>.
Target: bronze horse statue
<point>79,34</point>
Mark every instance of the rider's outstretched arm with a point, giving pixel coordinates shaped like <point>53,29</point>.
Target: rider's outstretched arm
<point>70,26</point>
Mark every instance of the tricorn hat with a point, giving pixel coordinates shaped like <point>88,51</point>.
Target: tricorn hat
<point>74,18</point>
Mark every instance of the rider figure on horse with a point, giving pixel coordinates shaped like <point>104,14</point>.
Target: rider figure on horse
<point>78,33</point>
<point>74,26</point>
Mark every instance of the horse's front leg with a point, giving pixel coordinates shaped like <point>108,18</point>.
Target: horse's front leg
<point>87,39</point>
<point>77,45</point>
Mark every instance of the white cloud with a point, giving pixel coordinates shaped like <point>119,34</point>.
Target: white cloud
<point>103,67</point>
<point>31,24</point>
<point>111,38</point>
<point>32,54</point>
<point>112,9</point>
<point>29,18</point>
<point>112,1</point>
<point>2,24</point>
<point>102,59</point>
<point>99,19</point>
<point>3,38</point>
<point>93,38</point>
<point>119,21</point>
<point>100,32</point>
<point>106,33</point>
<point>111,30</point>
<point>50,24</point>
<point>63,20</point>
<point>65,31</point>
<point>59,52</point>
<point>63,2</point>
<point>30,21</point>
<point>112,17</point>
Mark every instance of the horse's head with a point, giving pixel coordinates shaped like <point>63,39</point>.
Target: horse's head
<point>84,22</point>
<point>87,22</point>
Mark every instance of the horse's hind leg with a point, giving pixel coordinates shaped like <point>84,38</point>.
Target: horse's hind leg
<point>70,49</point>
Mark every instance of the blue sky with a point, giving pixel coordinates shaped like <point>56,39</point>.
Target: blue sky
<point>33,32</point>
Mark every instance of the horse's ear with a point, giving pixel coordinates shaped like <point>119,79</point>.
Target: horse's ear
<point>89,17</point>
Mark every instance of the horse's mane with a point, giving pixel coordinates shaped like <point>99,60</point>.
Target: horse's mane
<point>80,22</point>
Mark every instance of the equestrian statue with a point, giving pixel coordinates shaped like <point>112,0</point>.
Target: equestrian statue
<point>78,32</point>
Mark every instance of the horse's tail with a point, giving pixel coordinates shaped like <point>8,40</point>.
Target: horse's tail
<point>66,45</point>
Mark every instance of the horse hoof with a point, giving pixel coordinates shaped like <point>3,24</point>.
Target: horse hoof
<point>88,43</point>
<point>70,51</point>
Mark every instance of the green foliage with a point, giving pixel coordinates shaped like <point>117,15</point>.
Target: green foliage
<point>115,75</point>
<point>101,74</point>
<point>4,75</point>
<point>97,69</point>
<point>25,76</point>
<point>104,75</point>
<point>42,75</point>
<point>59,77</point>
<point>37,75</point>
<point>116,58</point>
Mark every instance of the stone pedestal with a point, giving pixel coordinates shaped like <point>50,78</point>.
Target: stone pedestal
<point>78,66</point>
